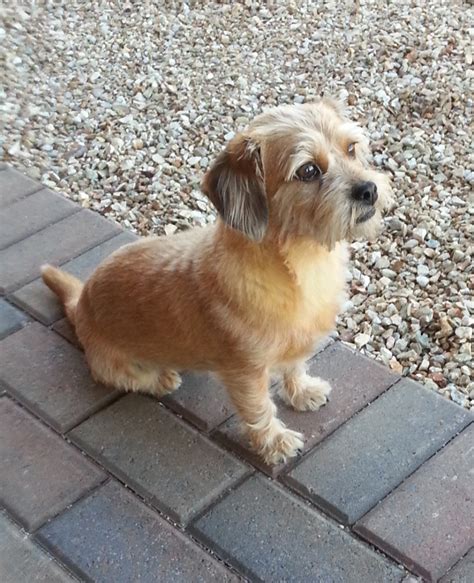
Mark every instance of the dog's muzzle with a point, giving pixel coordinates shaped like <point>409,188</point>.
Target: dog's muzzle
<point>366,216</point>
<point>365,193</point>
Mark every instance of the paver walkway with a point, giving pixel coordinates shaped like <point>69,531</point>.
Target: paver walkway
<point>97,485</point>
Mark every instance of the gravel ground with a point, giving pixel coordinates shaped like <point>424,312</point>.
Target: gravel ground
<point>122,106</point>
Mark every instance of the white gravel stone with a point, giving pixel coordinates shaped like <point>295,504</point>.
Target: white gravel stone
<point>422,280</point>
<point>123,106</point>
<point>464,333</point>
<point>361,340</point>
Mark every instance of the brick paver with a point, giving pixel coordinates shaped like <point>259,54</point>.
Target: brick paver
<point>41,474</point>
<point>112,536</point>
<point>50,377</point>
<point>57,243</point>
<point>167,462</point>
<point>11,319</point>
<point>14,186</point>
<point>355,380</point>
<point>31,214</point>
<point>202,400</point>
<point>22,561</point>
<point>66,330</point>
<point>38,300</point>
<point>463,571</point>
<point>380,447</point>
<point>427,522</point>
<point>271,536</point>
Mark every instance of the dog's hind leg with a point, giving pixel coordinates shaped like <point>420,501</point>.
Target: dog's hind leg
<point>251,397</point>
<point>126,374</point>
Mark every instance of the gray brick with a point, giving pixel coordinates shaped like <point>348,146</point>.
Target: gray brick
<point>112,536</point>
<point>66,330</point>
<point>463,571</point>
<point>355,380</point>
<point>14,186</point>
<point>50,377</point>
<point>22,561</point>
<point>370,455</point>
<point>202,400</point>
<point>165,461</point>
<point>39,301</point>
<point>41,473</point>
<point>323,344</point>
<point>31,214</point>
<point>11,319</point>
<point>270,536</point>
<point>57,243</point>
<point>427,522</point>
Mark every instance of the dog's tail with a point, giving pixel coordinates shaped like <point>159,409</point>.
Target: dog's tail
<point>67,287</point>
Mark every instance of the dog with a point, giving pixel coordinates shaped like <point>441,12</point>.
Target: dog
<point>251,294</point>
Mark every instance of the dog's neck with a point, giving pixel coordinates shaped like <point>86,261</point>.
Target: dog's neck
<point>297,282</point>
<point>294,255</point>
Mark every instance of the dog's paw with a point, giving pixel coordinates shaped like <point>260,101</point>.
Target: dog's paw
<point>169,380</point>
<point>285,444</point>
<point>313,394</point>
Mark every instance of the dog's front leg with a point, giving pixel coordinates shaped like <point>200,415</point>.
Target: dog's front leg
<point>301,391</point>
<point>268,435</point>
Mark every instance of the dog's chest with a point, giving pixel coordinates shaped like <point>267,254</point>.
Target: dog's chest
<point>319,295</point>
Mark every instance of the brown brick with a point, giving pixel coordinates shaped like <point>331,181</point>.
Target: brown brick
<point>355,380</point>
<point>11,319</point>
<point>427,522</point>
<point>55,244</point>
<point>202,400</point>
<point>112,537</point>
<point>41,474</point>
<point>22,561</point>
<point>463,570</point>
<point>179,470</point>
<point>377,449</point>
<point>50,377</point>
<point>270,535</point>
<point>66,330</point>
<point>31,214</point>
<point>14,186</point>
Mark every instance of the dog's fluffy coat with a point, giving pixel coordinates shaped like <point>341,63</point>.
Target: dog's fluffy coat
<point>254,292</point>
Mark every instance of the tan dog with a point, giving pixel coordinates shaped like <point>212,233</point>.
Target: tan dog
<point>252,293</point>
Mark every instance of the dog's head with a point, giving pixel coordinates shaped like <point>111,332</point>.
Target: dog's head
<point>299,171</point>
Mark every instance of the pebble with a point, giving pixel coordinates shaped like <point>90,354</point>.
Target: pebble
<point>463,332</point>
<point>457,396</point>
<point>420,233</point>
<point>382,262</point>
<point>170,229</point>
<point>423,269</point>
<point>361,340</point>
<point>422,280</point>
<point>395,224</point>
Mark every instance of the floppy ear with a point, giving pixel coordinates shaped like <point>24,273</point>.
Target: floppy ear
<point>235,186</point>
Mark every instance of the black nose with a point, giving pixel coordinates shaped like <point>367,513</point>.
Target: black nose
<point>365,192</point>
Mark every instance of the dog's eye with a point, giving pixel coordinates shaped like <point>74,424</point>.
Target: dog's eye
<point>308,172</point>
<point>351,149</point>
